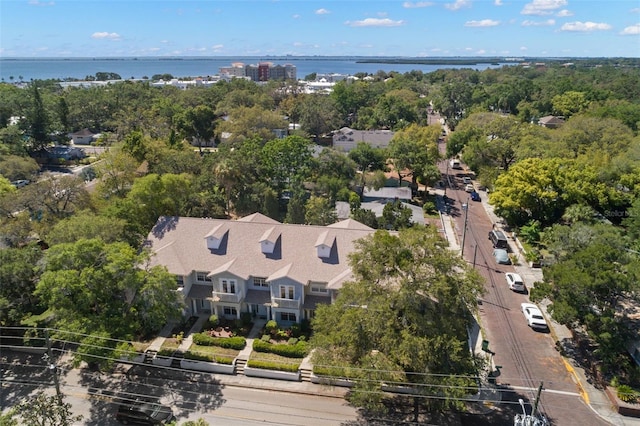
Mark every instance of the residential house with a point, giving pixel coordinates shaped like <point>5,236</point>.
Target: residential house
<point>387,193</point>
<point>347,139</point>
<point>255,264</point>
<point>551,121</point>
<point>83,137</point>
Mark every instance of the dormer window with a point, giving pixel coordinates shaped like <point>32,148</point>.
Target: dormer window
<point>215,237</point>
<point>324,243</point>
<point>269,240</point>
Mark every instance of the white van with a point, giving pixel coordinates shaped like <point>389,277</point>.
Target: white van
<point>455,164</point>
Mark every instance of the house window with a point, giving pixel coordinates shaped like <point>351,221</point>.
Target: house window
<point>286,292</point>
<point>260,282</point>
<point>287,316</point>
<point>230,310</point>
<point>180,280</point>
<point>202,277</point>
<point>319,288</point>
<point>229,286</point>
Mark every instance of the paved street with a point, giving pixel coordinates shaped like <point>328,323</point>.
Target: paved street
<point>525,358</point>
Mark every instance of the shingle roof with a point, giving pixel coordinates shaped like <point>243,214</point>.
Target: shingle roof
<point>178,243</point>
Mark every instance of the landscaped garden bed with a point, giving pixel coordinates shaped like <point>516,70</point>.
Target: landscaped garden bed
<point>222,327</point>
<point>213,359</point>
<point>269,365</point>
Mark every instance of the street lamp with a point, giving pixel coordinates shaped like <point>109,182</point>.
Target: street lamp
<point>465,207</point>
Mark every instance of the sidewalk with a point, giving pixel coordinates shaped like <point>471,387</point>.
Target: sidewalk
<point>593,397</point>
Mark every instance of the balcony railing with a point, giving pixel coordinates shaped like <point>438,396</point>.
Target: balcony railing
<point>285,303</point>
<point>218,296</point>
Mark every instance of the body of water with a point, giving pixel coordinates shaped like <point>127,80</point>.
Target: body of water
<point>79,68</point>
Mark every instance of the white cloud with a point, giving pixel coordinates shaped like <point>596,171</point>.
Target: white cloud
<point>635,10</point>
<point>547,23</point>
<point>481,52</point>
<point>542,7</point>
<point>483,23</point>
<point>458,4</point>
<point>585,26</point>
<point>564,13</point>
<point>523,48</point>
<point>415,5</point>
<point>217,46</point>
<point>632,30</point>
<point>322,12</point>
<point>375,22</point>
<point>498,2</point>
<point>105,35</point>
<point>296,16</point>
<point>41,3</point>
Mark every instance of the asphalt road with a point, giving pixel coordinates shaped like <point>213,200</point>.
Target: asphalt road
<point>192,396</point>
<point>527,358</point>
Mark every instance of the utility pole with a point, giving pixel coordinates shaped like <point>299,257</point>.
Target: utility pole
<point>465,207</point>
<point>52,366</point>
<point>535,404</point>
<point>475,253</point>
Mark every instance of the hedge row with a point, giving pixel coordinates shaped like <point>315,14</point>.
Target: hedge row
<point>299,350</point>
<point>270,365</point>
<point>195,356</point>
<point>203,339</point>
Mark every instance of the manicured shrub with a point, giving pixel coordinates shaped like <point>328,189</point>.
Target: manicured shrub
<point>166,352</point>
<point>266,338</point>
<point>224,360</point>
<point>271,327</point>
<point>296,330</point>
<point>203,339</point>
<point>292,341</point>
<point>269,365</point>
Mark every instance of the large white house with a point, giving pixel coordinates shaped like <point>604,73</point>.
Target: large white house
<point>255,264</point>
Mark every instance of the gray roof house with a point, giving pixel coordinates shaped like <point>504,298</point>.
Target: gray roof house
<point>255,264</point>
<point>347,139</point>
<point>389,193</point>
<point>551,121</point>
<point>83,137</point>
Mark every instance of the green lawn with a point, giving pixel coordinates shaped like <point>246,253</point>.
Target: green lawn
<point>214,350</point>
<point>264,356</point>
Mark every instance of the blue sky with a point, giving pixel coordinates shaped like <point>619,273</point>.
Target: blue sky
<point>114,28</point>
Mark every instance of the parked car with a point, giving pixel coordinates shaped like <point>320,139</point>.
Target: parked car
<point>514,281</point>
<point>501,256</point>
<point>469,188</point>
<point>475,196</point>
<point>466,180</point>
<point>20,183</point>
<point>144,413</point>
<point>534,316</point>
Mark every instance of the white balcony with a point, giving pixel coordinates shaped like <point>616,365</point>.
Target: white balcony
<point>220,297</point>
<point>285,303</point>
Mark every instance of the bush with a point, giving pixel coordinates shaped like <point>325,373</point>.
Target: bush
<point>266,338</point>
<point>213,321</point>
<point>429,207</point>
<point>627,394</point>
<point>298,350</point>
<point>204,339</point>
<point>269,365</point>
<point>296,330</point>
<point>166,352</point>
<point>271,327</point>
<point>292,341</point>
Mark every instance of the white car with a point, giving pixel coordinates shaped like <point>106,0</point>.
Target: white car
<point>534,316</point>
<point>469,188</point>
<point>514,281</point>
<point>466,180</point>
